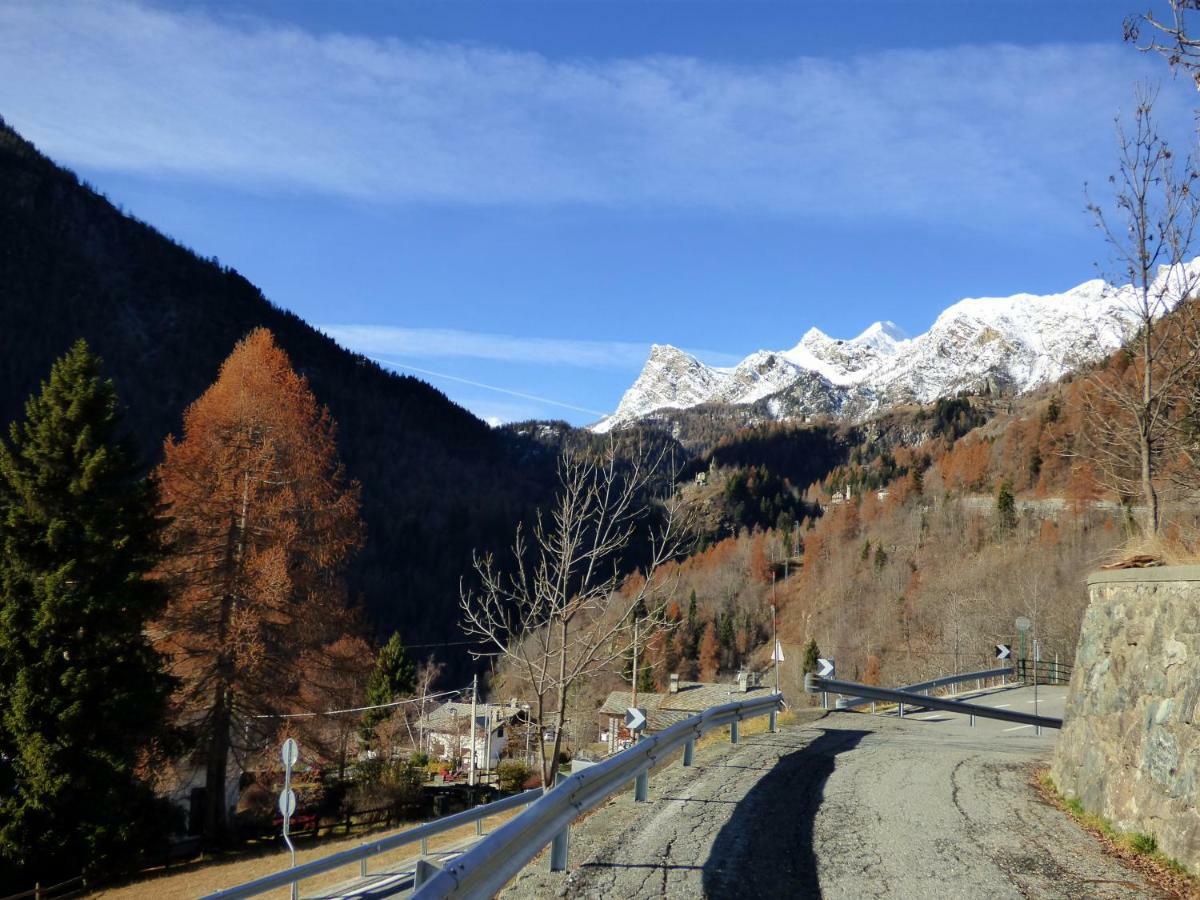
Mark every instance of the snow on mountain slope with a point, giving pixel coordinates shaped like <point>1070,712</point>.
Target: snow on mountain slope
<point>1003,343</point>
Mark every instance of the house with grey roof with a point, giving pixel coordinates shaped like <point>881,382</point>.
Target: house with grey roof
<point>682,700</point>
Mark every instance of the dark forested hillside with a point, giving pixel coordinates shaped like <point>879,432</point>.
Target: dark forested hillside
<point>436,480</point>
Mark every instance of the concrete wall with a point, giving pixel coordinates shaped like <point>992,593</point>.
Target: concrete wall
<point>1130,745</point>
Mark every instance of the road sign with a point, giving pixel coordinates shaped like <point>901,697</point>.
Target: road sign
<point>778,657</point>
<point>1023,624</point>
<point>1003,651</point>
<point>287,803</point>
<point>824,667</point>
<point>635,719</point>
<point>290,753</point>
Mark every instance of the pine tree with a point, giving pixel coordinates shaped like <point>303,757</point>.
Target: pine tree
<point>1006,507</point>
<point>262,525</point>
<point>812,653</point>
<point>82,691</point>
<point>394,677</point>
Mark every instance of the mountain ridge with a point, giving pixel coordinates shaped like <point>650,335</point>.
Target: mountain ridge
<point>978,344</point>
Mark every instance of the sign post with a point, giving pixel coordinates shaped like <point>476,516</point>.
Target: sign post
<point>825,669</point>
<point>290,753</point>
<point>1023,626</point>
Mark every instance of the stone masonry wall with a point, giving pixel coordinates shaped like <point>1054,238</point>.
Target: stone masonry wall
<point>1130,745</point>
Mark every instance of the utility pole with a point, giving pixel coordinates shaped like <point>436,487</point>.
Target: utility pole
<point>635,654</point>
<point>775,631</point>
<point>474,697</point>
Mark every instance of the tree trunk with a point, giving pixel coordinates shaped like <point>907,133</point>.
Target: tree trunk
<point>1145,437</point>
<point>215,814</point>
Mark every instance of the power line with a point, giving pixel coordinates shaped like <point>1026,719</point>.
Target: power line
<point>356,709</point>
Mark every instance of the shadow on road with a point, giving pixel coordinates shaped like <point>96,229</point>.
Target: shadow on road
<point>766,847</point>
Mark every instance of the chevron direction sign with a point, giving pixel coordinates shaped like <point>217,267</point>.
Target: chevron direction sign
<point>1003,651</point>
<point>824,667</point>
<point>635,719</point>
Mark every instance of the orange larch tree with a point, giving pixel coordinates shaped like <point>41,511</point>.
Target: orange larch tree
<point>710,654</point>
<point>263,521</point>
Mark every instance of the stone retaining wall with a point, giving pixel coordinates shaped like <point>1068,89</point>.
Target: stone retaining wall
<point>1130,745</point>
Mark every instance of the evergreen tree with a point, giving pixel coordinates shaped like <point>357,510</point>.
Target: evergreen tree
<point>1006,507</point>
<point>812,653</point>
<point>394,677</point>
<point>693,625</point>
<point>82,691</point>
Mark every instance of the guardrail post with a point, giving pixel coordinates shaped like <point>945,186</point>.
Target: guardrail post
<point>902,710</point>
<point>362,864</point>
<point>479,826</point>
<point>689,751</point>
<point>641,787</point>
<point>734,732</point>
<point>774,721</point>
<point>972,717</point>
<point>424,846</point>
<point>558,850</point>
<point>424,871</point>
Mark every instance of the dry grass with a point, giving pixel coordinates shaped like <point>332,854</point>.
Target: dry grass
<point>205,877</point>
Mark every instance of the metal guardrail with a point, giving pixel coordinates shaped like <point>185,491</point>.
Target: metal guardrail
<point>362,853</point>
<point>944,681</point>
<point>1043,671</point>
<point>814,685</point>
<point>484,869</point>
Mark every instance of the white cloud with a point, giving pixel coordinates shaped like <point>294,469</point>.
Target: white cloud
<point>966,134</point>
<point>433,343</point>
<point>428,343</point>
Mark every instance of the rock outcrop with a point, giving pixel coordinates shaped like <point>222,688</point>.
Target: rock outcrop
<point>1130,745</point>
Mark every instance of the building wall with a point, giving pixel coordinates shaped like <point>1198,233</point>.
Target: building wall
<point>1130,745</point>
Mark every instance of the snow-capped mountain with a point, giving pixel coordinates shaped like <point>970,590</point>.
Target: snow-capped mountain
<point>1001,343</point>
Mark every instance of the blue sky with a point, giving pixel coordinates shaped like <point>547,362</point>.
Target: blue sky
<point>516,198</point>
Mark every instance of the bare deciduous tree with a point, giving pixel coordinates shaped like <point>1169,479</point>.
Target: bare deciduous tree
<point>1132,405</point>
<point>565,612</point>
<point>1168,36</point>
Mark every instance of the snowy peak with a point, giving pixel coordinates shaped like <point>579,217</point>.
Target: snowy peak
<point>996,343</point>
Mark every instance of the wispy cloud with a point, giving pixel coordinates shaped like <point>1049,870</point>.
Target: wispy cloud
<point>429,343</point>
<point>522,395</point>
<point>962,134</point>
<point>435,343</point>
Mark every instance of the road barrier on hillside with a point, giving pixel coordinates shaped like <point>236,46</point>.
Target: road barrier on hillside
<point>362,853</point>
<point>925,686</point>
<point>484,869</point>
<point>815,685</point>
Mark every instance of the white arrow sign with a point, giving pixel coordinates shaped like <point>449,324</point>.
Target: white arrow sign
<point>824,667</point>
<point>1003,651</point>
<point>635,719</point>
<point>778,657</point>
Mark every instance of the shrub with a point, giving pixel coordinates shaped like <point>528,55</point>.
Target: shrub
<point>1143,843</point>
<point>420,760</point>
<point>512,775</point>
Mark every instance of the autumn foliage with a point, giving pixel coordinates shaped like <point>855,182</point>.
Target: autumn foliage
<point>262,524</point>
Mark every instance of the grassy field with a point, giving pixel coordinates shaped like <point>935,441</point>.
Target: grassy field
<point>204,877</point>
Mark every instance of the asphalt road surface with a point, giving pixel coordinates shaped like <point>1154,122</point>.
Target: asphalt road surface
<point>844,806</point>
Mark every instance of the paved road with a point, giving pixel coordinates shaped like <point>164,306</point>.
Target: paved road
<point>844,806</point>
<point>1050,701</point>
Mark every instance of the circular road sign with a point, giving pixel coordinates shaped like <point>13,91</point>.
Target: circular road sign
<point>290,752</point>
<point>1023,624</point>
<point>287,803</point>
